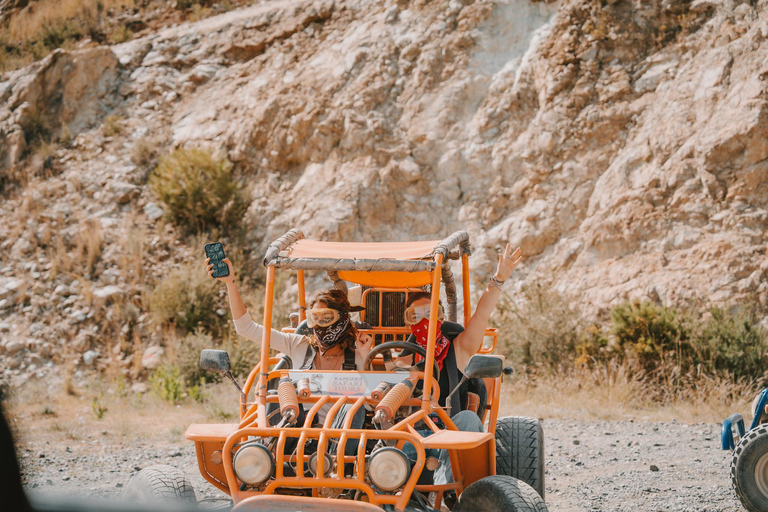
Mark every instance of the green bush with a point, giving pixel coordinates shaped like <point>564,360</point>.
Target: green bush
<point>672,349</point>
<point>732,343</point>
<point>198,190</point>
<point>187,299</point>
<point>652,335</point>
<point>167,383</point>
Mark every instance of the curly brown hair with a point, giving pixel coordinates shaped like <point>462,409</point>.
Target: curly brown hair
<point>335,299</point>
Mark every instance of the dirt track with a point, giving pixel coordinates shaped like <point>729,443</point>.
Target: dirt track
<point>595,466</point>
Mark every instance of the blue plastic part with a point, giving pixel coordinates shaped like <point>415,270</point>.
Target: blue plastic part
<point>761,408</point>
<point>726,433</point>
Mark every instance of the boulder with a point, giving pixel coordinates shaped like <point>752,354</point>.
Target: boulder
<point>110,292</point>
<point>90,356</point>
<point>152,357</point>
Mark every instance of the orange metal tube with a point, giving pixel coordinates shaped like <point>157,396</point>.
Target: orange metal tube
<point>347,425</point>
<point>302,296</point>
<point>281,449</point>
<point>400,500</point>
<point>303,436</point>
<point>323,441</point>
<point>465,287</point>
<point>361,457</point>
<point>413,418</point>
<point>495,409</point>
<point>450,425</point>
<point>261,398</point>
<point>432,333</point>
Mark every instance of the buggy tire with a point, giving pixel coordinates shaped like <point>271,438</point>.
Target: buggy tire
<point>520,450</point>
<point>749,469</point>
<point>160,484</point>
<point>500,493</point>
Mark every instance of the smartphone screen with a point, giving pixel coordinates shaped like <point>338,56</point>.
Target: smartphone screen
<point>215,251</point>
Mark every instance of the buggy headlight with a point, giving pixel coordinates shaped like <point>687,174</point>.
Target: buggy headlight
<point>326,469</point>
<point>388,468</point>
<point>253,463</point>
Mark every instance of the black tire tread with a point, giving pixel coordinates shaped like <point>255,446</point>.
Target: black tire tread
<point>520,450</point>
<point>500,493</point>
<point>161,484</point>
<point>746,444</point>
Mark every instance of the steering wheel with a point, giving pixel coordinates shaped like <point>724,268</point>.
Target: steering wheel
<point>403,345</point>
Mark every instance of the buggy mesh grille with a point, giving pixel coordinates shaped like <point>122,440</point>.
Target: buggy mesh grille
<point>385,309</point>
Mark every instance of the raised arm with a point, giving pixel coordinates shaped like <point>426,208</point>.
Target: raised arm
<point>244,325</point>
<point>471,339</point>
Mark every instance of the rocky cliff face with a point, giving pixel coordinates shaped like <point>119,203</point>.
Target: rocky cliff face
<point>622,144</point>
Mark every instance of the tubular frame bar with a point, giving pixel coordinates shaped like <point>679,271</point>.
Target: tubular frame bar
<point>399,500</point>
<point>351,264</point>
<point>432,334</point>
<point>282,243</point>
<point>302,296</point>
<point>450,289</point>
<point>465,287</point>
<point>261,391</point>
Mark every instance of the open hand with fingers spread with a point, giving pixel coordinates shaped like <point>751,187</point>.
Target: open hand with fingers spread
<point>508,260</point>
<point>226,279</point>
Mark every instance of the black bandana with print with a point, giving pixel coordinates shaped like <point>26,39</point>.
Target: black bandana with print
<point>330,336</point>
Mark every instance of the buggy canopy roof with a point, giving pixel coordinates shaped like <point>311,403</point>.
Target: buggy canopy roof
<point>380,264</point>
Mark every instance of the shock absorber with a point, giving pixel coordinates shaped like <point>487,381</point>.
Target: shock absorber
<point>289,402</point>
<point>303,388</point>
<point>381,390</point>
<point>393,400</point>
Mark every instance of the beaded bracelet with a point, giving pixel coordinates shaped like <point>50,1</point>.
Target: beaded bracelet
<point>495,282</point>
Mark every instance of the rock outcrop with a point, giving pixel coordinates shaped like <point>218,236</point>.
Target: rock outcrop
<point>621,144</point>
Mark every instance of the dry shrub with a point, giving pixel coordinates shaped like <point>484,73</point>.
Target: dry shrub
<point>198,190</point>
<point>187,299</point>
<point>120,34</point>
<point>541,328</point>
<point>144,152</point>
<point>81,254</point>
<point>133,253</point>
<point>616,392</point>
<point>674,355</point>
<point>44,25</point>
<point>113,125</point>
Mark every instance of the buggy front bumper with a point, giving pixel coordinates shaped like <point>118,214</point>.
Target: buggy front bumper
<point>283,503</point>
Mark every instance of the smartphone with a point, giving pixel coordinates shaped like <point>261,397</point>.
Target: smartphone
<point>215,251</point>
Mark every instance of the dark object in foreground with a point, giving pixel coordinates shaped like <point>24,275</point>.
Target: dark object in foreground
<point>10,477</point>
<point>14,498</point>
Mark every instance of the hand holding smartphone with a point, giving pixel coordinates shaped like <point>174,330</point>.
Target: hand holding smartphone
<point>215,253</point>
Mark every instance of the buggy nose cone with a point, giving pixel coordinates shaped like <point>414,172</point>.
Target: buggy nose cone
<point>283,503</point>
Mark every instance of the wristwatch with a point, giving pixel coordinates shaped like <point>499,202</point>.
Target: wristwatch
<point>495,282</point>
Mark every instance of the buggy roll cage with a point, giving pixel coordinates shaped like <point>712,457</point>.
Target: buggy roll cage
<point>417,261</point>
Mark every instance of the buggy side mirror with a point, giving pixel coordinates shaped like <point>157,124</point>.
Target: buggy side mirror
<point>218,361</point>
<point>215,361</point>
<point>483,367</point>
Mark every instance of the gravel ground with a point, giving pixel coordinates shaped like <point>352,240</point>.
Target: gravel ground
<point>595,466</point>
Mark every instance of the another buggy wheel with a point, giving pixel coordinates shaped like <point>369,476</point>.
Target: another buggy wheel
<point>520,450</point>
<point>500,493</point>
<point>160,484</point>
<point>749,469</point>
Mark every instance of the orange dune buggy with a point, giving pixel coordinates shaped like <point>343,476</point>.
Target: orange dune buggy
<point>278,457</point>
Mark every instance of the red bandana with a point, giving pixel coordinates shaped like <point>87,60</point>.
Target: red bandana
<point>442,343</point>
